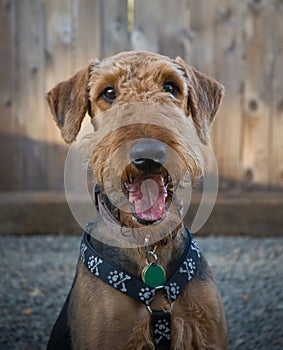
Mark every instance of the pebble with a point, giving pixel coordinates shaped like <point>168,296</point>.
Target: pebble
<point>37,272</point>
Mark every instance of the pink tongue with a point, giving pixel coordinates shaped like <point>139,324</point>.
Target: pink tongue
<point>148,195</point>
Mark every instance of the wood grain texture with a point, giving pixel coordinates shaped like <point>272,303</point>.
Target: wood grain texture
<point>114,36</point>
<point>229,68</point>
<point>29,102</point>
<point>240,43</point>
<point>258,92</point>
<point>59,35</point>
<point>145,32</point>
<point>276,165</point>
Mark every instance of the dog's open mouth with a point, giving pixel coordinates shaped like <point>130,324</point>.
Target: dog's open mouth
<point>147,195</point>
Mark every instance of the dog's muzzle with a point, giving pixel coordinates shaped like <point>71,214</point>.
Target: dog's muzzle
<point>148,188</point>
<point>148,155</point>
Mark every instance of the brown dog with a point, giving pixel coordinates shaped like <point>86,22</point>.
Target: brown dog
<point>132,89</point>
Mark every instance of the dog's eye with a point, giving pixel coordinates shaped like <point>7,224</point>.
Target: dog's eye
<point>109,94</point>
<point>171,88</point>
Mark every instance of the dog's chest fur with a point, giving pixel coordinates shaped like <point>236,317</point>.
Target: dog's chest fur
<point>101,317</point>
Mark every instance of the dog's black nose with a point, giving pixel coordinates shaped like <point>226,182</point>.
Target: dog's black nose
<point>148,155</point>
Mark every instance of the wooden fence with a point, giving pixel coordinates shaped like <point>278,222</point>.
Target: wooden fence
<point>240,43</point>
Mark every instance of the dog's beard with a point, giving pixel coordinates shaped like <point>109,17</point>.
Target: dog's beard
<point>128,219</point>
<point>145,202</point>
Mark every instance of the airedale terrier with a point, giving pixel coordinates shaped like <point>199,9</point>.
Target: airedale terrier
<point>160,294</point>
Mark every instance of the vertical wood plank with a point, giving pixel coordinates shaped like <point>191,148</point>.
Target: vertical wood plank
<point>201,53</point>
<point>202,50</point>
<point>9,171</point>
<point>173,29</point>
<point>85,47</point>
<point>58,40</point>
<point>277,117</point>
<point>256,151</point>
<point>162,26</point>
<point>229,66</point>
<point>59,33</point>
<point>87,32</point>
<point>145,33</point>
<point>114,27</point>
<point>29,107</point>
<point>7,56</point>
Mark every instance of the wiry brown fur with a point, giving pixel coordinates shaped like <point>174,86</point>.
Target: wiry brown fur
<point>99,316</point>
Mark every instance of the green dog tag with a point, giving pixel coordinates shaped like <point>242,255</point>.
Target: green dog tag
<point>153,275</point>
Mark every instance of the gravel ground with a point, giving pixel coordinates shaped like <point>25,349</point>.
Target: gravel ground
<point>37,272</point>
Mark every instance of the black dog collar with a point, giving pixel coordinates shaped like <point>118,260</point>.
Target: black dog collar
<point>134,287</point>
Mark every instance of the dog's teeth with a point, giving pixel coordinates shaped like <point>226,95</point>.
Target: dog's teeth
<point>167,182</point>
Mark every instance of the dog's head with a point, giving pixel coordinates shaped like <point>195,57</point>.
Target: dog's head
<point>131,78</point>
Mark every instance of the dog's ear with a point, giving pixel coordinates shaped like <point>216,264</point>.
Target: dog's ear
<point>68,104</point>
<point>204,97</point>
